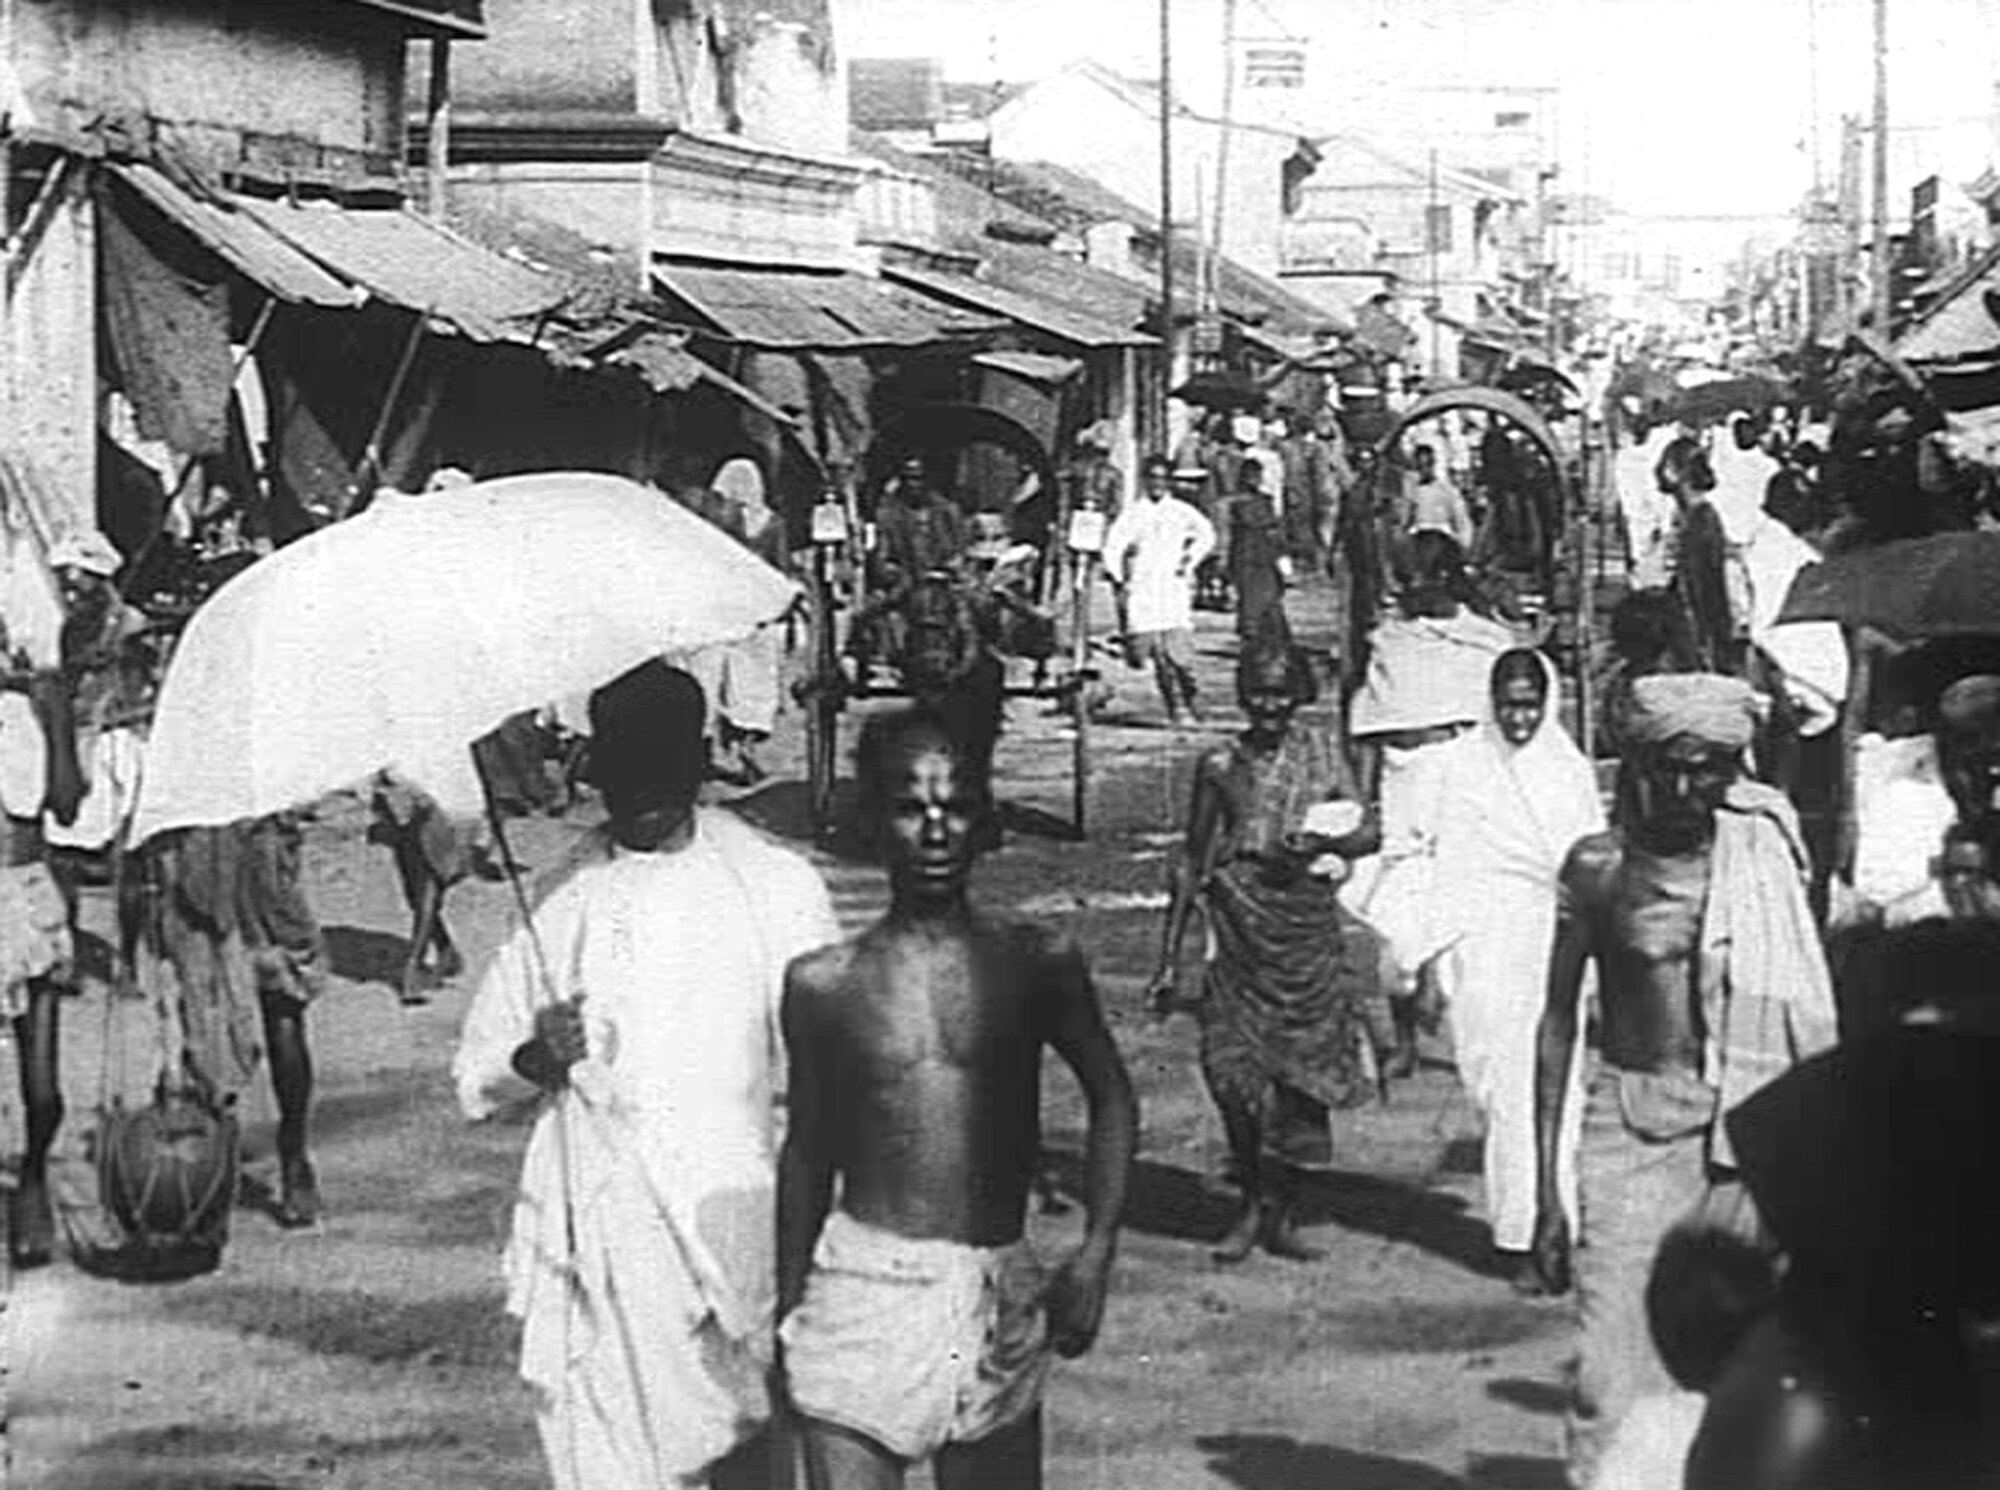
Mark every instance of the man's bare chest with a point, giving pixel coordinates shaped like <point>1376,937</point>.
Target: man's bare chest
<point>1654,912</point>
<point>959,1006</point>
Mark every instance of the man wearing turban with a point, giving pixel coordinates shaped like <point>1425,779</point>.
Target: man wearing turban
<point>1711,983</point>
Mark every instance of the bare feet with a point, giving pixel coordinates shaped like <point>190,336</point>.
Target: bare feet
<point>1282,1239</point>
<point>1518,1268</point>
<point>298,1199</point>
<point>1241,1239</point>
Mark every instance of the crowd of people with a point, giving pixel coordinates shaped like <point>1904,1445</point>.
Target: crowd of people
<point>776,1197</point>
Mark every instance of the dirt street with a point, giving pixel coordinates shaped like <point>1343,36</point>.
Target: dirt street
<point>372,1352</point>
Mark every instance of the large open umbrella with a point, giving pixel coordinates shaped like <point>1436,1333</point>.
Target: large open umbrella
<point>1945,585</point>
<point>396,638</point>
<point>1719,397</point>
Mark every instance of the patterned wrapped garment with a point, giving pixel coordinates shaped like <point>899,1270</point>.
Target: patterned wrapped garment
<point>1286,1001</point>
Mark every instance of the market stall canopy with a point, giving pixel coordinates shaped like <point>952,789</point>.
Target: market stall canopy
<point>397,637</point>
<point>1945,585</point>
<point>1038,314</point>
<point>798,310</point>
<point>327,254</point>
<point>1033,366</point>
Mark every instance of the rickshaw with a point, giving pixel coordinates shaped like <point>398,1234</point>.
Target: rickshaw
<point>1012,620</point>
<point>1547,547</point>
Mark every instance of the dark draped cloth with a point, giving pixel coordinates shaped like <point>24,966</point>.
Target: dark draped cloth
<point>231,925</point>
<point>1257,542</point>
<point>1284,1007</point>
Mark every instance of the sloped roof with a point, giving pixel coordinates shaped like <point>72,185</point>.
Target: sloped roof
<point>1449,178</point>
<point>965,208</point>
<point>324,253</point>
<point>498,277</point>
<point>438,17</point>
<point>1958,324</point>
<point>800,310</point>
<point>1019,302</point>
<point>1075,201</point>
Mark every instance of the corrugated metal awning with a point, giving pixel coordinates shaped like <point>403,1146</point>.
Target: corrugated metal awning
<point>1027,309</point>
<point>669,367</point>
<point>239,240</point>
<point>408,261</point>
<point>323,253</point>
<point>1032,366</point>
<point>802,311</point>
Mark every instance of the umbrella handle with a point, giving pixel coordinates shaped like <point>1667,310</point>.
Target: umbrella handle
<point>511,866</point>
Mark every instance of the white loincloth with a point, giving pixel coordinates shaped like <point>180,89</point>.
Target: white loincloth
<point>917,1342</point>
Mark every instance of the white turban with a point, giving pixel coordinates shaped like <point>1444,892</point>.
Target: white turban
<point>1709,707</point>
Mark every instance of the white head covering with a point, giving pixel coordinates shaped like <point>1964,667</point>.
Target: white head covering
<point>1555,786</point>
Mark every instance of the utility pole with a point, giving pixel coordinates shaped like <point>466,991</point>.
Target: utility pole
<point>1166,221</point>
<point>1881,269</point>
<point>1228,122</point>
<point>1432,232</point>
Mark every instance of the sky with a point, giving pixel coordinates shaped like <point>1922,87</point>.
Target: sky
<point>1691,107</point>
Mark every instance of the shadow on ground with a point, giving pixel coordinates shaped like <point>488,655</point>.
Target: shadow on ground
<point>470,1329</point>
<point>223,1456</point>
<point>1514,1472</point>
<point>1400,1211</point>
<point>1168,1201</point>
<point>362,955</point>
<point>1270,1461</point>
<point>1545,1397</point>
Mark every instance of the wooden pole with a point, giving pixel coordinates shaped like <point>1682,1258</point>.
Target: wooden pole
<point>1228,124</point>
<point>1431,249</point>
<point>1879,191</point>
<point>1166,223</point>
<point>437,139</point>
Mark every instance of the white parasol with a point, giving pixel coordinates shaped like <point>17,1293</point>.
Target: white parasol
<point>396,638</point>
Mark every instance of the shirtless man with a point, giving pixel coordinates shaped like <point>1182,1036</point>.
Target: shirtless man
<point>1711,981</point>
<point>917,1322</point>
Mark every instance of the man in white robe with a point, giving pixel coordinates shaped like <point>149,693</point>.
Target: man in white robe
<point>639,1010</point>
<point>1151,553</point>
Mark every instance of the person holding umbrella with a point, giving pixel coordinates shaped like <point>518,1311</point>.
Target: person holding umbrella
<point>638,1007</point>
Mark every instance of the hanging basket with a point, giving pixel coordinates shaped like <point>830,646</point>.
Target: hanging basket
<point>166,1175</point>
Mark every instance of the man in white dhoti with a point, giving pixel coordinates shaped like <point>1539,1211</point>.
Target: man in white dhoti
<point>1515,796</point>
<point>639,1009</point>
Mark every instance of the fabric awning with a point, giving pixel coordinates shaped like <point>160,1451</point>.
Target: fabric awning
<point>802,311</point>
<point>1027,309</point>
<point>327,254</point>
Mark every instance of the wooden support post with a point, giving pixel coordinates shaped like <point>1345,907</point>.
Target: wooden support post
<point>437,139</point>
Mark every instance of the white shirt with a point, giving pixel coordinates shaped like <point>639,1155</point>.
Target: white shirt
<point>1153,548</point>
<point>1439,505</point>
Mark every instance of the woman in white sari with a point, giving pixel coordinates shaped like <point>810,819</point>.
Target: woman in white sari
<point>1516,795</point>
